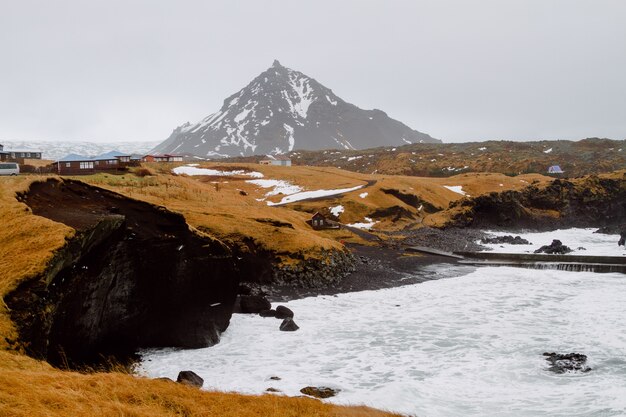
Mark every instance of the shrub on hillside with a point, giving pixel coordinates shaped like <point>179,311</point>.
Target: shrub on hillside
<point>143,172</point>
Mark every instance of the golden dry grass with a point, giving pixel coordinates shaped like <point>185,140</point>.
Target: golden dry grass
<point>29,388</point>
<point>28,244</point>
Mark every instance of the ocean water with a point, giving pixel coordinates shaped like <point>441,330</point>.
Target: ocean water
<point>465,346</point>
<point>593,243</point>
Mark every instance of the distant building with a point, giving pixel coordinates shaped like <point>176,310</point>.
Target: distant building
<point>319,221</point>
<point>278,160</point>
<point>555,169</point>
<point>74,164</point>
<point>162,158</point>
<point>18,156</point>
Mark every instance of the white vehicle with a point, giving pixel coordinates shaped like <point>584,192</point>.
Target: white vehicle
<point>9,168</point>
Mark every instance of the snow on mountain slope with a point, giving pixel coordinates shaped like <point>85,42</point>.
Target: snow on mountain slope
<point>282,110</point>
<point>56,150</point>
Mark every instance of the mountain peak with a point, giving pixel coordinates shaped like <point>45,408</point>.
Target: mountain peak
<point>282,110</point>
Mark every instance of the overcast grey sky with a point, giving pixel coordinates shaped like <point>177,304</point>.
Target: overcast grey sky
<point>458,70</point>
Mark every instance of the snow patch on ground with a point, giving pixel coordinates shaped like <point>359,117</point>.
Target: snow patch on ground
<point>337,210</point>
<point>363,195</point>
<point>548,150</point>
<point>307,195</point>
<point>192,170</point>
<point>367,224</point>
<point>456,189</point>
<point>278,187</point>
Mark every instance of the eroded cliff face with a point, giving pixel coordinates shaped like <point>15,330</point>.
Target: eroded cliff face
<point>587,202</point>
<point>134,276</point>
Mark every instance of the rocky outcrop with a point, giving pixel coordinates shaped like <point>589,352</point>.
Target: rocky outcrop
<point>508,239</point>
<point>590,201</point>
<point>567,362</point>
<point>283,312</point>
<point>253,304</point>
<point>134,275</point>
<point>319,392</point>
<point>556,247</point>
<point>288,325</point>
<point>330,268</point>
<point>190,378</point>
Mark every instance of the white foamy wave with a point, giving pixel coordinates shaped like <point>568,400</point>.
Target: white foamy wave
<point>593,243</point>
<point>470,346</point>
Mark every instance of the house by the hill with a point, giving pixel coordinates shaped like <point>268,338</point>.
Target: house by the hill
<point>18,156</point>
<point>162,158</point>
<point>319,221</point>
<point>278,160</point>
<point>74,164</point>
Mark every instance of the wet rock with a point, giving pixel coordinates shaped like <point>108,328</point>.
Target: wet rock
<point>517,240</point>
<point>581,248</point>
<point>283,312</point>
<point>556,247</point>
<point>567,362</point>
<point>319,392</point>
<point>608,230</point>
<point>270,389</point>
<point>190,378</point>
<point>267,313</point>
<point>253,304</point>
<point>622,239</point>
<point>275,378</point>
<point>288,325</point>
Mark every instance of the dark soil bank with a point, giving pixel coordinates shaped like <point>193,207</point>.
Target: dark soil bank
<point>134,276</point>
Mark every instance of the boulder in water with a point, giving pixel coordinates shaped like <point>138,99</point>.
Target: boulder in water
<point>556,247</point>
<point>567,362</point>
<point>319,392</point>
<point>254,304</point>
<point>283,312</point>
<point>288,325</point>
<point>267,313</point>
<point>190,378</point>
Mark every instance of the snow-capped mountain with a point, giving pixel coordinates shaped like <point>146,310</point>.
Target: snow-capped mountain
<point>283,110</point>
<point>57,150</point>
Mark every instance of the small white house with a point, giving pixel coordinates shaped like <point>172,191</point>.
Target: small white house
<point>279,160</point>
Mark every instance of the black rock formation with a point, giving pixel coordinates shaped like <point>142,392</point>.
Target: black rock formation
<point>190,378</point>
<point>254,304</point>
<point>283,110</point>
<point>288,325</point>
<point>267,313</point>
<point>134,275</point>
<point>567,362</point>
<point>508,239</point>
<point>319,392</point>
<point>283,312</point>
<point>556,247</point>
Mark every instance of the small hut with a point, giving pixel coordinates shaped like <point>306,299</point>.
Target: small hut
<point>555,169</point>
<point>319,221</point>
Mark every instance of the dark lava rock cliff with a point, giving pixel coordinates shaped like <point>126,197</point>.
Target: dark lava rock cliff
<point>134,275</point>
<point>586,202</point>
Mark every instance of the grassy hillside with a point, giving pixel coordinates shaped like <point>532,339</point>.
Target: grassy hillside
<point>34,388</point>
<point>588,156</point>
